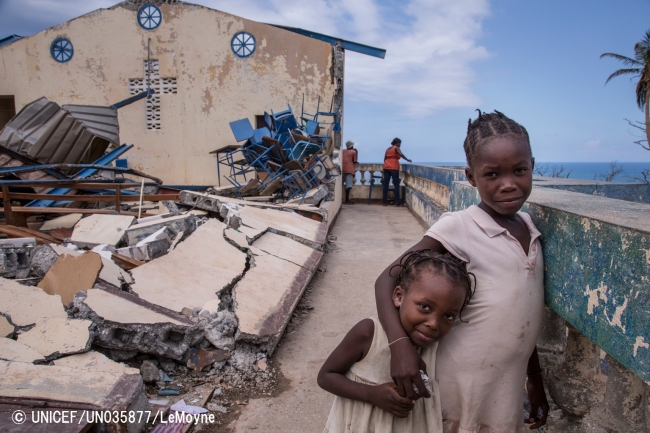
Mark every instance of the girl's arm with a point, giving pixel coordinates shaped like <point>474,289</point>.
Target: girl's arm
<point>536,394</point>
<point>405,362</point>
<point>354,348</point>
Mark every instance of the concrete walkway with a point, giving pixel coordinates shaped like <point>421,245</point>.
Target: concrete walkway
<point>369,237</point>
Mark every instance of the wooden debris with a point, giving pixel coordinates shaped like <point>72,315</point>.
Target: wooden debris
<point>24,232</point>
<point>125,262</point>
<point>61,234</point>
<point>70,274</point>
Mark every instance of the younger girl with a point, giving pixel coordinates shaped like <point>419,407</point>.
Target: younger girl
<point>430,293</point>
<point>483,364</point>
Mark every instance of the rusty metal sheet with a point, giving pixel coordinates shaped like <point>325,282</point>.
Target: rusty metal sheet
<point>199,358</point>
<point>52,134</point>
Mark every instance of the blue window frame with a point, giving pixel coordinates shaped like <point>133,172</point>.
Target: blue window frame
<point>61,50</point>
<point>243,44</point>
<point>149,16</point>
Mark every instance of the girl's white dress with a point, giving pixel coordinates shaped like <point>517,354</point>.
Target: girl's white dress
<point>351,416</point>
<point>481,365</point>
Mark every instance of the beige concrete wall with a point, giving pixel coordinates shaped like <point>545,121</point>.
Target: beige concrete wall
<point>192,44</point>
<point>438,193</point>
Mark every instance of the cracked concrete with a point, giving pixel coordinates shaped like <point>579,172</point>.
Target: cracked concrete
<point>101,229</point>
<point>181,223</point>
<point>193,273</point>
<point>26,305</point>
<point>11,350</point>
<point>55,337</point>
<point>125,322</point>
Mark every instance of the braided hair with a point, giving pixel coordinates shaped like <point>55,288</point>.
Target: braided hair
<point>412,263</point>
<point>490,125</point>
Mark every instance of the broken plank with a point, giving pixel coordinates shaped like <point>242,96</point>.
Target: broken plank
<point>125,262</point>
<point>65,210</point>
<point>27,232</point>
<point>92,198</point>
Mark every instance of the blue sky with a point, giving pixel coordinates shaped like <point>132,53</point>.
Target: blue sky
<point>538,62</point>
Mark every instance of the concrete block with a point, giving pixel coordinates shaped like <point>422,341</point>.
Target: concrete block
<point>149,371</point>
<point>65,222</point>
<point>14,261</point>
<point>11,350</point>
<point>6,328</point>
<point>74,388</point>
<point>94,361</point>
<point>266,296</point>
<point>193,273</point>
<point>128,323</point>
<point>70,274</point>
<point>25,305</point>
<point>313,197</point>
<point>181,223</point>
<point>42,259</point>
<point>55,337</point>
<point>101,229</point>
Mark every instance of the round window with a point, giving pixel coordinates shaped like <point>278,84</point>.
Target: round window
<point>61,50</point>
<point>243,44</point>
<point>149,17</point>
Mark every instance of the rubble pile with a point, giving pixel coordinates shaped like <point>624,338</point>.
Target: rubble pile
<point>177,307</point>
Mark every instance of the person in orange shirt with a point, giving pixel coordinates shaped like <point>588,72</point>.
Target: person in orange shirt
<point>349,157</point>
<point>391,169</point>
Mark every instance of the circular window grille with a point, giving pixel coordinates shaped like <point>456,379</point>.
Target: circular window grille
<point>243,44</point>
<point>149,17</point>
<point>61,50</point>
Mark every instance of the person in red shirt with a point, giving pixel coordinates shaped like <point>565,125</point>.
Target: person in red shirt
<point>391,169</point>
<point>349,157</point>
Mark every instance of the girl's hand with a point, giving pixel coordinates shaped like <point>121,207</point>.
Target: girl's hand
<point>537,398</point>
<point>405,366</point>
<point>385,396</point>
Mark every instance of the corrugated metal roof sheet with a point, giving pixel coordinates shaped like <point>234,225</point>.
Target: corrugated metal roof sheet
<point>50,134</point>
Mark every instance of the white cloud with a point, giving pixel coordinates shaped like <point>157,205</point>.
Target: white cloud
<point>430,45</point>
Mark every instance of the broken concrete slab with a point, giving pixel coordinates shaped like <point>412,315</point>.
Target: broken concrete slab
<point>101,229</point>
<point>237,237</point>
<point>25,305</point>
<point>73,388</point>
<point>290,250</point>
<point>314,196</point>
<point>193,273</point>
<point>6,328</point>
<point>265,298</point>
<point>110,273</point>
<point>18,242</point>
<point>94,361</point>
<point>70,274</point>
<point>176,224</point>
<point>286,223</point>
<point>220,326</point>
<point>11,350</point>
<point>151,247</point>
<point>62,222</point>
<point>126,322</point>
<point>55,337</point>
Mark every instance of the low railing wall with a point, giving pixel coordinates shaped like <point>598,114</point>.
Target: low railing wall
<point>595,343</point>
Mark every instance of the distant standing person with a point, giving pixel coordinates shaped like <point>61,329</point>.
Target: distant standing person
<point>391,169</point>
<point>348,159</point>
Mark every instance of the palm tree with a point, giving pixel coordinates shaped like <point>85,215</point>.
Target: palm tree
<point>639,66</point>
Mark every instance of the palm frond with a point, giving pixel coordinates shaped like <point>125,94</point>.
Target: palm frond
<point>635,71</point>
<point>625,60</point>
<point>641,91</point>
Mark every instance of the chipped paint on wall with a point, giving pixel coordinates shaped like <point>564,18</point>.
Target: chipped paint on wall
<point>594,295</point>
<point>192,44</point>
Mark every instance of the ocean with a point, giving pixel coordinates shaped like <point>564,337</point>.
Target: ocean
<point>581,170</point>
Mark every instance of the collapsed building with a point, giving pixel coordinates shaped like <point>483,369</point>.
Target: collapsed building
<point>191,251</point>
